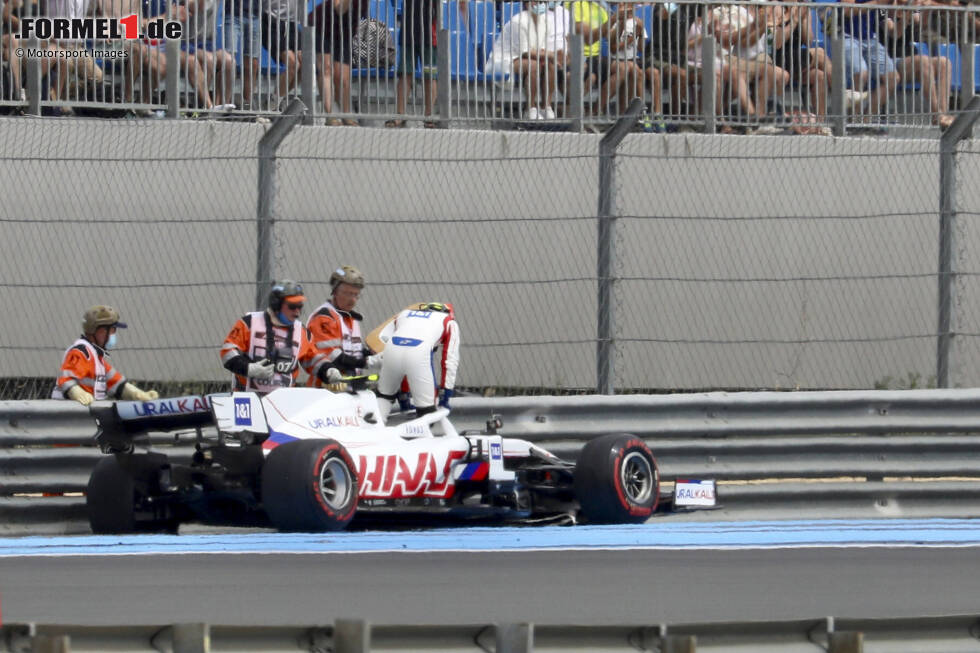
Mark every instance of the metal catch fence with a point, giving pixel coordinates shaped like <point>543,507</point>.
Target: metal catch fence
<point>804,67</point>
<point>777,263</point>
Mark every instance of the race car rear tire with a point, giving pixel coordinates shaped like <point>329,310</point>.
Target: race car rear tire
<point>111,498</point>
<point>309,486</point>
<point>119,495</point>
<point>616,480</point>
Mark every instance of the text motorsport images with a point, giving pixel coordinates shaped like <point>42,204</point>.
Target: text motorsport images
<point>99,29</point>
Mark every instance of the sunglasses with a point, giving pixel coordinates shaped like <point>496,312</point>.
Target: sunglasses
<point>294,307</point>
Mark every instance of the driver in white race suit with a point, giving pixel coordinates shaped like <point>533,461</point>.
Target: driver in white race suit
<point>412,340</point>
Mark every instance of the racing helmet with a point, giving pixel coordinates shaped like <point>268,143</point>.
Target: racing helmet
<point>346,274</point>
<point>286,290</point>
<point>440,307</point>
<point>100,315</point>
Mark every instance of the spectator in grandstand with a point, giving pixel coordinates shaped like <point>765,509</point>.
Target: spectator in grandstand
<point>141,61</point>
<point>413,338</point>
<point>532,48</point>
<point>627,45</point>
<point>933,73</point>
<point>86,374</point>
<point>729,79</point>
<point>667,52</point>
<point>335,22</point>
<point>198,40</point>
<point>265,349</point>
<point>416,44</point>
<point>866,61</point>
<point>52,68</point>
<point>949,26</point>
<point>742,31</point>
<point>243,33</point>
<point>612,77</point>
<point>80,71</point>
<point>794,50</point>
<point>336,327</point>
<point>281,37</point>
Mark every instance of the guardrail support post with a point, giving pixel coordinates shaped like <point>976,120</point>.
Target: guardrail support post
<point>606,255</point>
<point>845,642</point>
<point>515,638</point>
<point>191,638</point>
<point>351,636</point>
<point>269,143</point>
<point>51,644</point>
<point>678,644</point>
<point>959,130</point>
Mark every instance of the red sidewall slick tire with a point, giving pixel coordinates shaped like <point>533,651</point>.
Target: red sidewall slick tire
<point>617,480</point>
<point>309,486</point>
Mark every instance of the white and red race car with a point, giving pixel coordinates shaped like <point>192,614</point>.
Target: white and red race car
<point>304,459</point>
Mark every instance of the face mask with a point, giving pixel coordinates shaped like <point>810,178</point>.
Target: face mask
<point>539,7</point>
<point>552,5</point>
<point>285,320</point>
<point>111,342</point>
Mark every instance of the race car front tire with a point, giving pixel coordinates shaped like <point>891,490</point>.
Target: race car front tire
<point>616,480</point>
<point>309,486</point>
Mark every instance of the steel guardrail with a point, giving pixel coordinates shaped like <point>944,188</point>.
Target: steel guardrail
<point>831,634</point>
<point>896,452</point>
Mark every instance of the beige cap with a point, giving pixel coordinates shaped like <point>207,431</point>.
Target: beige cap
<point>100,315</point>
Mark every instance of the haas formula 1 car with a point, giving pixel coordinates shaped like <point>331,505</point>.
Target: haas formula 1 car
<point>304,459</point>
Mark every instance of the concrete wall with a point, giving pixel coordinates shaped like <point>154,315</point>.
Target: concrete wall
<point>745,261</point>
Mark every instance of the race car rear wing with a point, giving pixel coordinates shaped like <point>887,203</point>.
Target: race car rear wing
<point>120,423</point>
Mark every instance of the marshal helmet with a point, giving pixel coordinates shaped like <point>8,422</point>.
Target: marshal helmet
<point>98,316</point>
<point>346,274</point>
<point>286,290</point>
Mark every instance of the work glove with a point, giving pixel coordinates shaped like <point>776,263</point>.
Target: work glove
<point>374,362</point>
<point>447,394</point>
<point>263,370</point>
<point>75,392</point>
<point>131,393</point>
<point>333,375</point>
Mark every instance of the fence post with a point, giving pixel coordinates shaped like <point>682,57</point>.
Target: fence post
<point>172,52</point>
<point>443,76</point>
<point>308,72</point>
<point>709,89</point>
<point>968,69</point>
<point>606,255</point>
<point>32,82</point>
<point>265,221</point>
<point>576,86</point>
<point>947,233</point>
<point>838,115</point>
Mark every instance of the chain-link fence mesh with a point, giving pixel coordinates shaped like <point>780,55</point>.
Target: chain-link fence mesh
<point>740,262</point>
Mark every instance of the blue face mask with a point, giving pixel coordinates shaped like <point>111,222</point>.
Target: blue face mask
<point>111,342</point>
<point>539,7</point>
<point>285,320</point>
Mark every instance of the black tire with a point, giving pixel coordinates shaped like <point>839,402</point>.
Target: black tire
<point>111,498</point>
<point>309,486</point>
<point>617,480</point>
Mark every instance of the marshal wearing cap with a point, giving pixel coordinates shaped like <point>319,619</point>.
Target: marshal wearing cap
<point>98,316</point>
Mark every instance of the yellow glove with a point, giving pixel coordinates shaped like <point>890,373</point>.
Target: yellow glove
<point>78,394</point>
<point>131,393</point>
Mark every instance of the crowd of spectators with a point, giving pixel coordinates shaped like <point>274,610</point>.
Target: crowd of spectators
<point>771,62</point>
